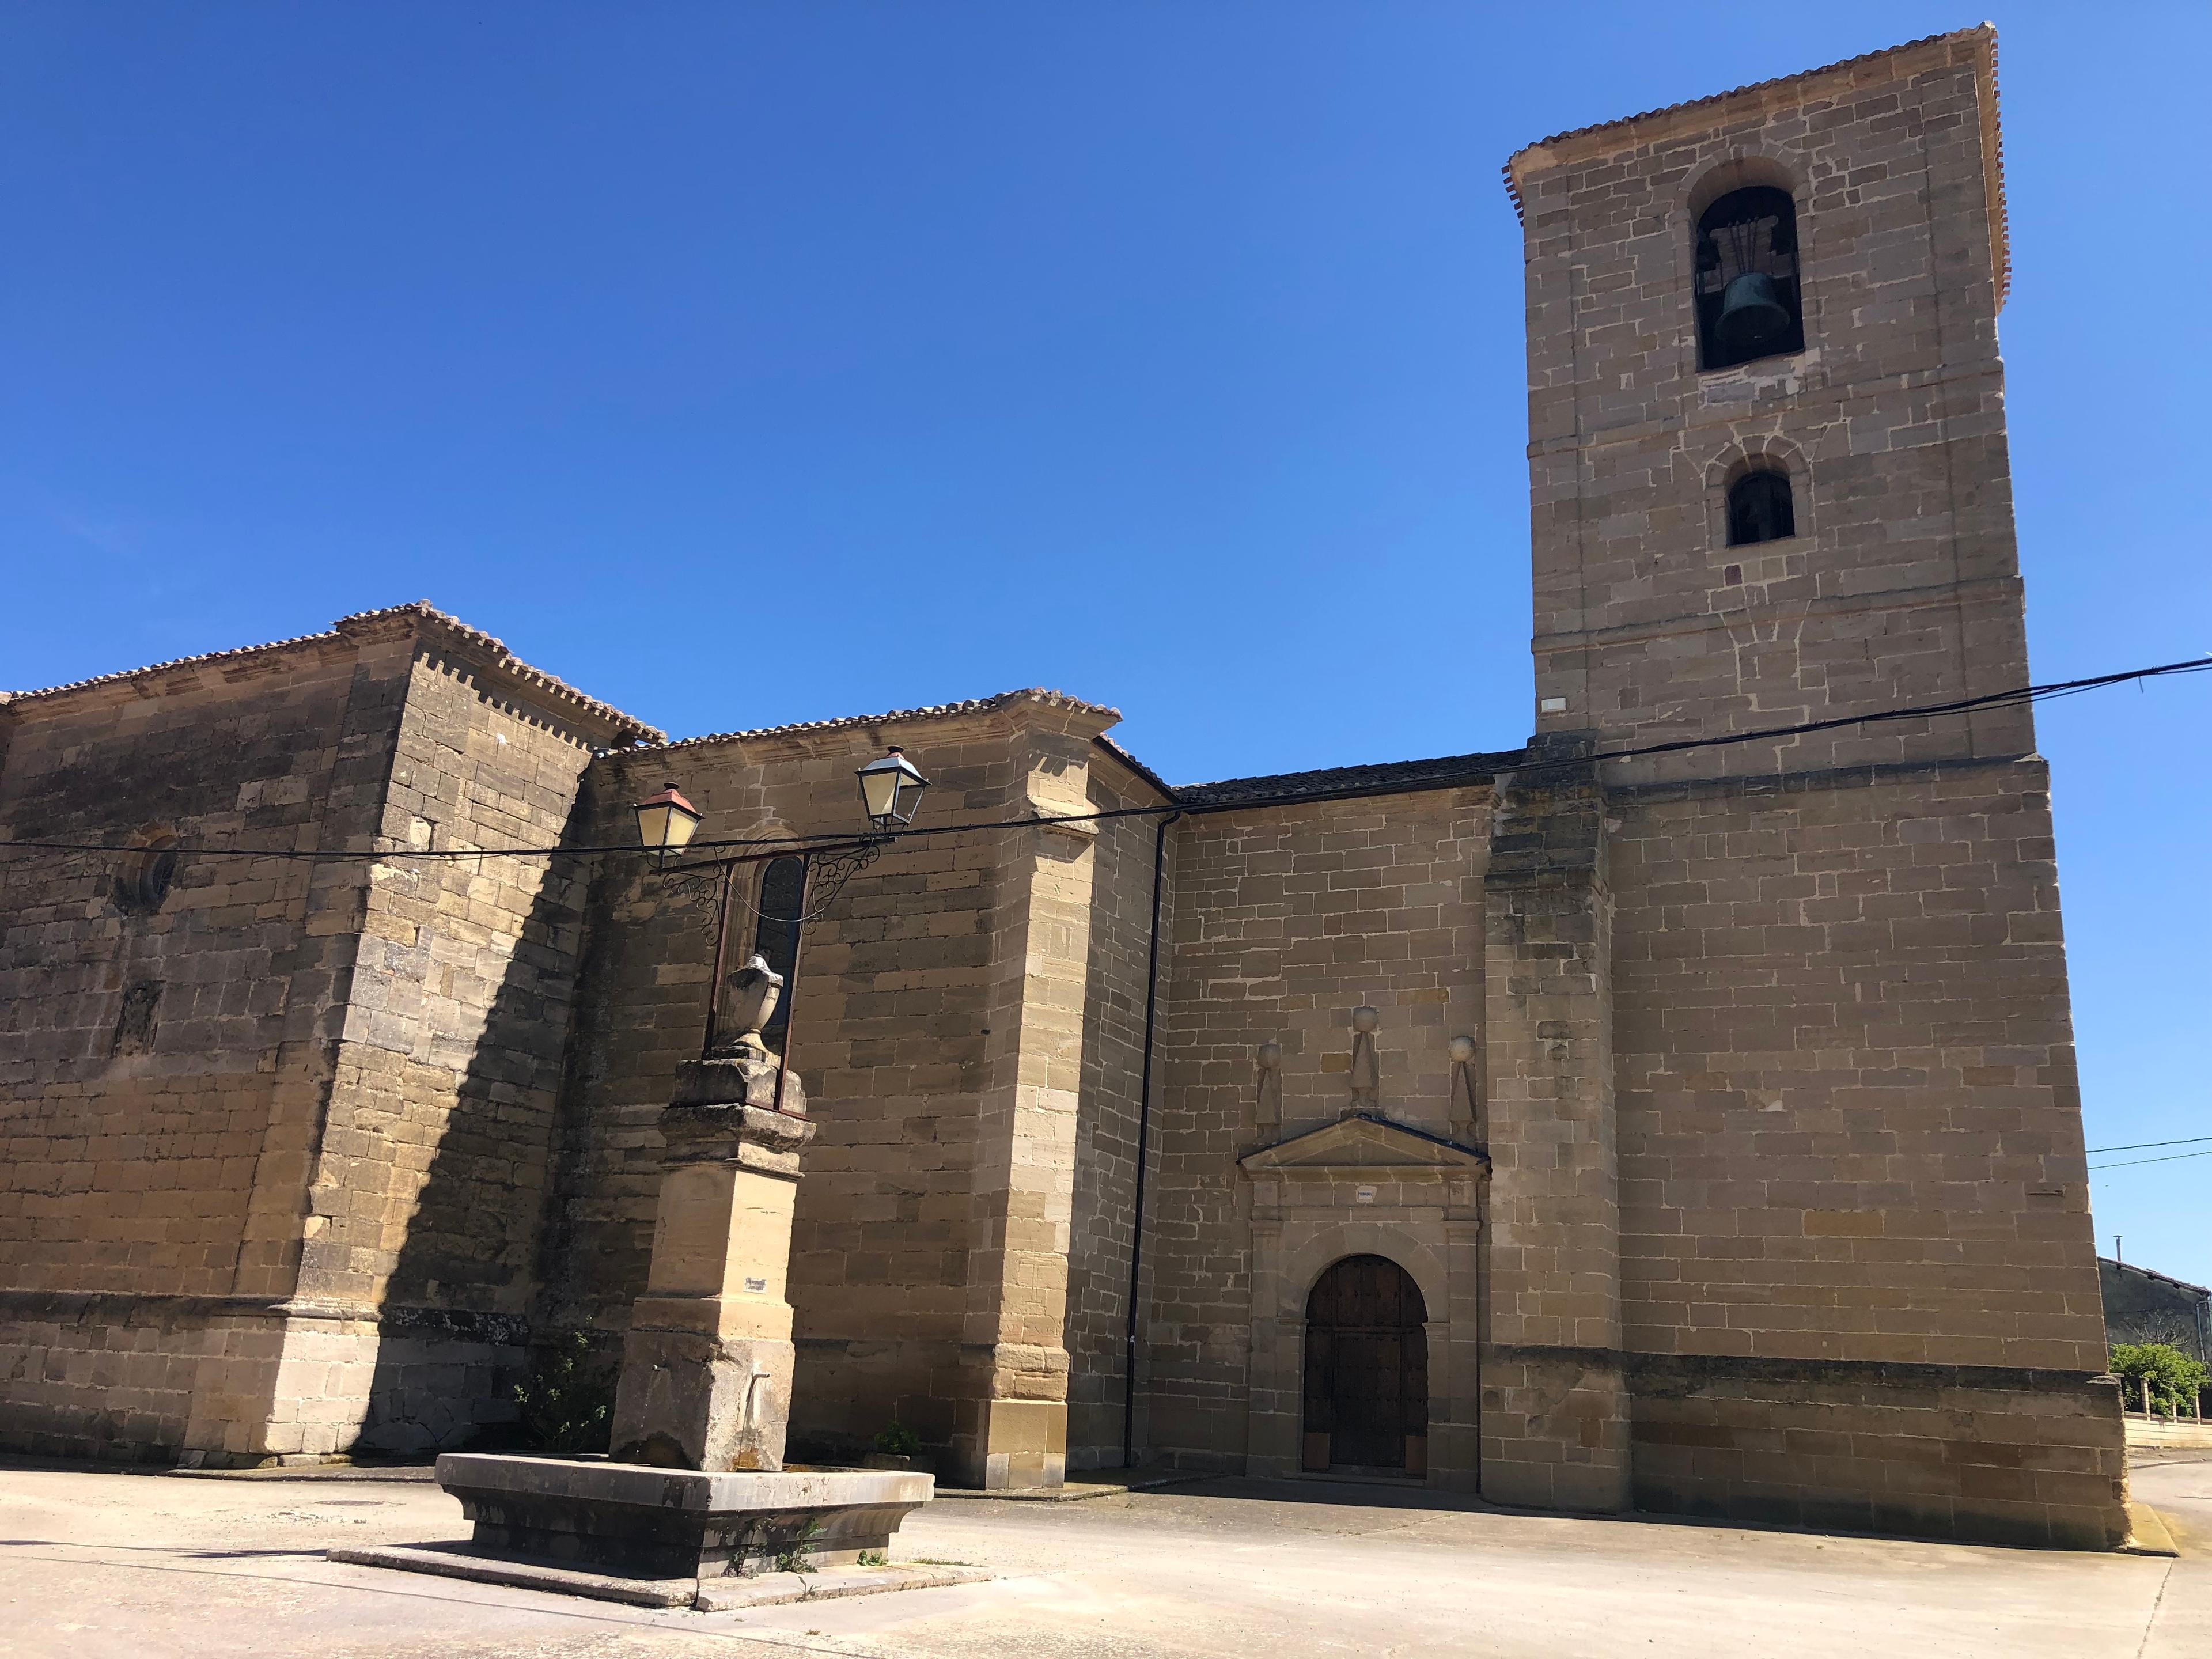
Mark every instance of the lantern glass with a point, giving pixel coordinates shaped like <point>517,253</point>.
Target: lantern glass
<point>890,790</point>
<point>665,821</point>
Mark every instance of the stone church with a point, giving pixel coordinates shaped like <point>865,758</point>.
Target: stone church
<point>1693,1131</point>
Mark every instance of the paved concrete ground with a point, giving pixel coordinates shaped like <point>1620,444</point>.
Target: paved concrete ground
<point>149,1566</point>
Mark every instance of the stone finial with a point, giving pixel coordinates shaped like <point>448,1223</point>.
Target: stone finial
<point>752,993</point>
<point>1366,1069</point>
<point>1269,1107</point>
<point>1462,1112</point>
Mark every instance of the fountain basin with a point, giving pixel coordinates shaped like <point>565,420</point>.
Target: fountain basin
<point>656,1523</point>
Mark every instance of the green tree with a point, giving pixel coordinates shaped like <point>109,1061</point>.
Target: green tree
<point>2173,1376</point>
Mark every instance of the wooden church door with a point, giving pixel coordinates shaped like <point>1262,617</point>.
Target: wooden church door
<point>1367,1369</point>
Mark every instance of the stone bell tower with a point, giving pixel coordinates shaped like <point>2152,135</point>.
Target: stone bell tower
<point>1879,404</point>
<point>1790,1211</point>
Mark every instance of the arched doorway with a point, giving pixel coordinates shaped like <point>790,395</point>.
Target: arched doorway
<point>1367,1369</point>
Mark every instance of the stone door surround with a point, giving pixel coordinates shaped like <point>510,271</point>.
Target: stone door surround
<point>1365,1185</point>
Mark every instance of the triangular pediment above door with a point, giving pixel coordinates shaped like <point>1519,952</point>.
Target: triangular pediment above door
<point>1361,1145</point>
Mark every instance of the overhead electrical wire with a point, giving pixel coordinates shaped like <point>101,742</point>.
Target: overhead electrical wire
<point>2019,695</point>
<point>2144,1146</point>
<point>2129,1163</point>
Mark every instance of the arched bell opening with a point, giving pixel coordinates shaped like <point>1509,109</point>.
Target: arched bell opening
<point>1366,1370</point>
<point>1761,508</point>
<point>1748,297</point>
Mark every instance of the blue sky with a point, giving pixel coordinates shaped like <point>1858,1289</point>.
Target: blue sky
<point>746,363</point>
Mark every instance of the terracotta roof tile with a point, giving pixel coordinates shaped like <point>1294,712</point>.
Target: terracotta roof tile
<point>932,711</point>
<point>625,727</point>
<point>1134,765</point>
<point>164,667</point>
<point>1335,779</point>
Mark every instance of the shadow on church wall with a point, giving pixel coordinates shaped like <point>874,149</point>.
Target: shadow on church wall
<point>483,1077</point>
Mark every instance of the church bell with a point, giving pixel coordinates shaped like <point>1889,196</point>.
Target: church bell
<point>1752,313</point>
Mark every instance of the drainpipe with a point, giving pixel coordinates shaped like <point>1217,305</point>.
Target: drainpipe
<point>1143,1143</point>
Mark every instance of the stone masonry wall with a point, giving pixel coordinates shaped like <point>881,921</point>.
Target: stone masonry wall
<point>280,1130</point>
<point>1850,1131</point>
<point>1106,1145</point>
<point>1011,1428</point>
<point>887,1029</point>
<point>1850,1143</point>
<point>152,1058</point>
<point>1997,1453</point>
<point>898,1005</point>
<point>1850,1113</point>
<point>1901,584</point>
<point>431,1190</point>
<point>1555,1414</point>
<point>1284,921</point>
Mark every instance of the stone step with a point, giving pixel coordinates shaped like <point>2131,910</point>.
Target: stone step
<point>461,1559</point>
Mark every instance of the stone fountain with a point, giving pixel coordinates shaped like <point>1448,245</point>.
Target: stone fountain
<point>695,1485</point>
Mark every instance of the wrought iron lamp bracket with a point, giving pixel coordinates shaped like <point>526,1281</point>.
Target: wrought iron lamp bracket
<point>827,874</point>
<point>697,888</point>
<point>699,882</point>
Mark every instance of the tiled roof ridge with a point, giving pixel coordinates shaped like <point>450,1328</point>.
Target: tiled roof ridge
<point>930,711</point>
<point>422,609</point>
<point>1129,760</point>
<point>163,667</point>
<point>538,678</point>
<point>1328,780</point>
<point>2000,216</point>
